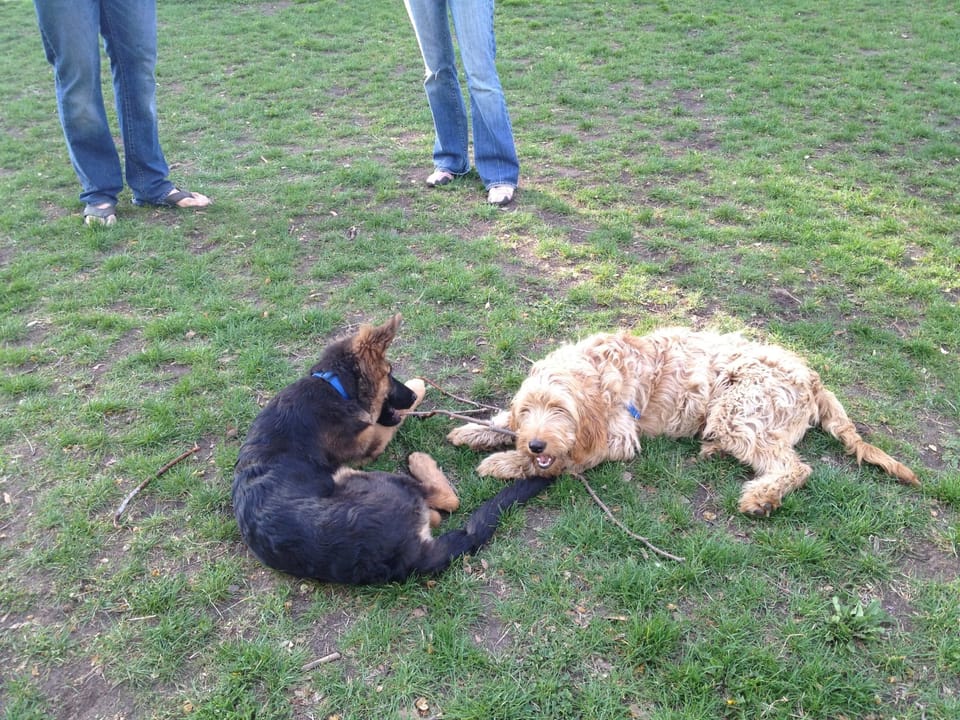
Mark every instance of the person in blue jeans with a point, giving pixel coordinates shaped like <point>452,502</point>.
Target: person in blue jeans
<point>494,153</point>
<point>71,30</point>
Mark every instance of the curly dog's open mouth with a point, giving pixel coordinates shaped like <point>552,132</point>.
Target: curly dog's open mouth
<point>543,461</point>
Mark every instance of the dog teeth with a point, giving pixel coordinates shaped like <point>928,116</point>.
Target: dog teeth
<point>544,462</point>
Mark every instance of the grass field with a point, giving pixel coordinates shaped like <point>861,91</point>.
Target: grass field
<point>787,169</point>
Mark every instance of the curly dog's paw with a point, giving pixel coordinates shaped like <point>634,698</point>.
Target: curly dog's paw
<point>505,465</point>
<point>463,435</point>
<point>758,504</point>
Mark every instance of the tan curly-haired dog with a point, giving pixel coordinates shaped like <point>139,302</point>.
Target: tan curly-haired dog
<point>592,401</point>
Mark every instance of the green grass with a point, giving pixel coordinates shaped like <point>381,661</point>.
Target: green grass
<point>785,169</point>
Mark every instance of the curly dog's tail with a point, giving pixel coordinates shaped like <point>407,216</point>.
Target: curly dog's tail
<point>833,419</point>
<point>480,527</point>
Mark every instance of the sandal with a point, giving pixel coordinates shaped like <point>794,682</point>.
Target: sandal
<point>440,177</point>
<point>102,214</point>
<point>173,198</point>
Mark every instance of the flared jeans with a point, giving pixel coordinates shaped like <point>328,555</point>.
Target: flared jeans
<point>493,148</point>
<point>71,31</point>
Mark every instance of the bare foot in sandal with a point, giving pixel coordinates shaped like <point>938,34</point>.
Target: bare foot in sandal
<point>104,213</point>
<point>177,198</point>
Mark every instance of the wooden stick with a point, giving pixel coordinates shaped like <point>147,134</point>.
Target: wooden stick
<point>457,416</point>
<point>126,501</point>
<point>463,413</point>
<point>628,531</point>
<point>332,657</point>
<point>458,398</point>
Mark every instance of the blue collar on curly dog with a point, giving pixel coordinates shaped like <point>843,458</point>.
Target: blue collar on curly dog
<point>631,408</point>
<point>331,377</point>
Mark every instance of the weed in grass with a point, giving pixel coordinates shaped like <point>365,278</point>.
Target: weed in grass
<point>857,622</point>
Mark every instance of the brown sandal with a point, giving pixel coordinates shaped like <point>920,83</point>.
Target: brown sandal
<point>173,198</point>
<point>102,214</point>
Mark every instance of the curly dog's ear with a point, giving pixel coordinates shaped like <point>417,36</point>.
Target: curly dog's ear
<point>591,428</point>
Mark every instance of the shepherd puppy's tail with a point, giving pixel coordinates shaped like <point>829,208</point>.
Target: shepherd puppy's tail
<point>833,419</point>
<point>440,551</point>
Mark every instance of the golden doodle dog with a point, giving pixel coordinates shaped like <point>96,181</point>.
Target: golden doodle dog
<point>592,401</point>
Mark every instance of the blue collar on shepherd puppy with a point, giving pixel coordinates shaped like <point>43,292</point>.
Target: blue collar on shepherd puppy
<point>334,381</point>
<point>632,409</point>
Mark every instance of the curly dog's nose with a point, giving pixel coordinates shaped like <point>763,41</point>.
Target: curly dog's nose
<point>537,446</point>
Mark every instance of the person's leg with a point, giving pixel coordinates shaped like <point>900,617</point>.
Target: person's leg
<point>70,30</point>
<point>493,148</point>
<point>432,28</point>
<point>129,30</point>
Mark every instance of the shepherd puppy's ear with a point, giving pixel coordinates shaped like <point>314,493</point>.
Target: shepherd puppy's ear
<point>388,331</point>
<point>373,341</point>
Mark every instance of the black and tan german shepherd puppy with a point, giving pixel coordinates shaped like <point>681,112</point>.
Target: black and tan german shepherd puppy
<point>303,510</point>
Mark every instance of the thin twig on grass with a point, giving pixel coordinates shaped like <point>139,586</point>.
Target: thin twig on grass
<point>458,416</point>
<point>33,450</point>
<point>628,531</point>
<point>461,416</point>
<point>126,501</point>
<point>431,383</point>
<point>332,657</point>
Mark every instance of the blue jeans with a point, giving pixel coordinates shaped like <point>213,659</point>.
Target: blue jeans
<point>493,149</point>
<point>71,30</point>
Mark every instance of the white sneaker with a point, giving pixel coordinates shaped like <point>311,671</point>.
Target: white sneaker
<point>500,195</point>
<point>439,177</point>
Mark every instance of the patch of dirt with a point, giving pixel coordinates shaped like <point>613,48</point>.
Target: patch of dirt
<point>706,503</point>
<point>327,632</point>
<point>537,519</point>
<point>491,632</point>
<point>167,375</point>
<point>936,433</point>
<point>895,600</point>
<point>75,685</point>
<point>79,691</point>
<point>494,635</point>
<point>925,561</point>
<point>54,212</point>
<point>16,492</point>
<point>128,344</point>
<point>273,8</point>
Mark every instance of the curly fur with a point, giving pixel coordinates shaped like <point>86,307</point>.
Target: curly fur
<point>753,401</point>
